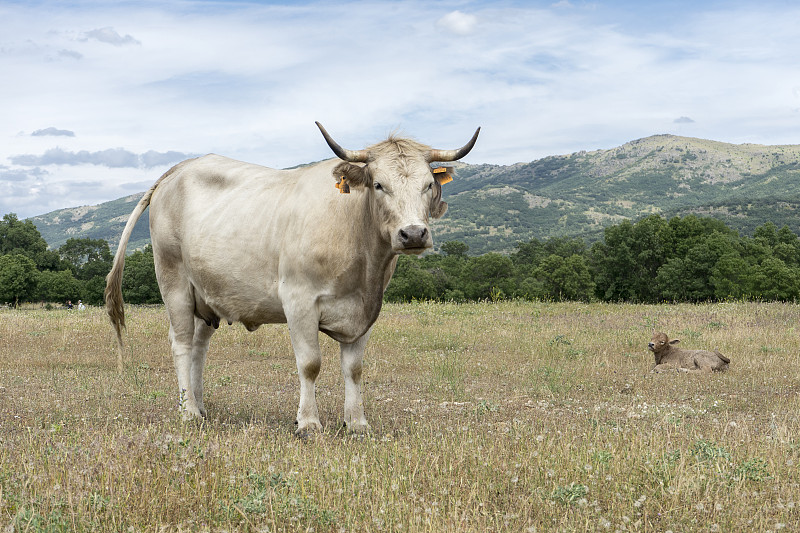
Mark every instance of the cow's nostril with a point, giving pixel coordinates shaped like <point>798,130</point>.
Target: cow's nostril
<point>403,235</point>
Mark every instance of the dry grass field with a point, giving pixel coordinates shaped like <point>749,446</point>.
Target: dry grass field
<point>507,416</point>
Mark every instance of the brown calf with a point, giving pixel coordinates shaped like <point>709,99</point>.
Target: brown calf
<point>669,357</point>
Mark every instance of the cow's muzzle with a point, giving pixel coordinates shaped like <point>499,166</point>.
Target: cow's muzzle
<point>651,346</point>
<point>414,239</point>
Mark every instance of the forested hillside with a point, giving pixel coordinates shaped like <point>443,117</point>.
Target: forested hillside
<point>493,207</point>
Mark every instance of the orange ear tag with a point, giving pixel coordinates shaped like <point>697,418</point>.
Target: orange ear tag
<point>447,178</point>
<point>343,187</point>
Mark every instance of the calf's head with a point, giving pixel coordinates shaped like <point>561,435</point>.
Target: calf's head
<point>402,187</point>
<point>660,343</point>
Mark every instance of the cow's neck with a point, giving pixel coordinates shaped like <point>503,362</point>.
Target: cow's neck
<point>367,263</point>
<point>380,258</point>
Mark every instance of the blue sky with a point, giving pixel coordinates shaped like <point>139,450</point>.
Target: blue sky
<point>100,98</point>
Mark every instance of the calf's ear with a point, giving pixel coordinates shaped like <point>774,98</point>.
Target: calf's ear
<point>674,341</point>
<point>355,175</point>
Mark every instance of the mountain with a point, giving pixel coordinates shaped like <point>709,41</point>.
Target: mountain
<point>492,207</point>
<point>103,221</point>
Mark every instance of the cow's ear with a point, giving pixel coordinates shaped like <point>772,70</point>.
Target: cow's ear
<point>438,207</point>
<point>674,341</point>
<point>356,176</point>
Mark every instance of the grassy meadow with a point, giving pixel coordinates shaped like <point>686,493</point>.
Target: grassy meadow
<point>508,416</point>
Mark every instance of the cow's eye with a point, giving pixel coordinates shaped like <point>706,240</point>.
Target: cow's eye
<point>430,186</point>
<point>378,186</point>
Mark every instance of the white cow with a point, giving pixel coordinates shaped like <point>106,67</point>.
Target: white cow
<point>234,241</point>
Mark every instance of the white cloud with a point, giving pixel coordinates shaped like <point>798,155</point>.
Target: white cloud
<point>112,158</point>
<point>109,36</point>
<point>458,22</point>
<point>53,132</point>
<point>70,54</point>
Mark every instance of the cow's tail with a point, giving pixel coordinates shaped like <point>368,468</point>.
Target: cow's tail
<point>113,293</point>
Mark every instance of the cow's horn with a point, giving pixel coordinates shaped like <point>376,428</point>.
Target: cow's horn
<point>453,155</point>
<point>353,156</point>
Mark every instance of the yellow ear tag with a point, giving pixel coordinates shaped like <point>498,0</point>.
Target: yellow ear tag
<point>343,187</point>
<point>447,178</point>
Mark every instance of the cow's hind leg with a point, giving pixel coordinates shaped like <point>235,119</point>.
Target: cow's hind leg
<point>200,342</point>
<point>187,354</point>
<point>352,356</point>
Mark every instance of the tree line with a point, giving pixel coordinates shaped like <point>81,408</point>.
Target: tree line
<point>29,272</point>
<point>681,259</point>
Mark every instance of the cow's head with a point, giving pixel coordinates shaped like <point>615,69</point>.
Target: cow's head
<point>402,187</point>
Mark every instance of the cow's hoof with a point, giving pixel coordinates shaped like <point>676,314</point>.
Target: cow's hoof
<point>308,430</point>
<point>307,434</point>
<point>356,428</point>
<point>192,415</point>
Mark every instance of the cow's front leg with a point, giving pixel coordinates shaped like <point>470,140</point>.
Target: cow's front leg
<point>305,342</point>
<point>352,356</point>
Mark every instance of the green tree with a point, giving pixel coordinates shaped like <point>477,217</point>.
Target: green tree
<point>87,258</point>
<point>730,277</point>
<point>486,274</point>
<point>565,246</point>
<point>94,289</point>
<point>566,278</point>
<point>90,261</point>
<point>59,286</point>
<point>687,232</point>
<point>18,237</point>
<point>455,248</point>
<point>767,233</point>
<point>773,280</point>
<point>410,282</point>
<point>18,278</point>
<point>139,283</point>
<point>627,261</point>
<point>529,255</point>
